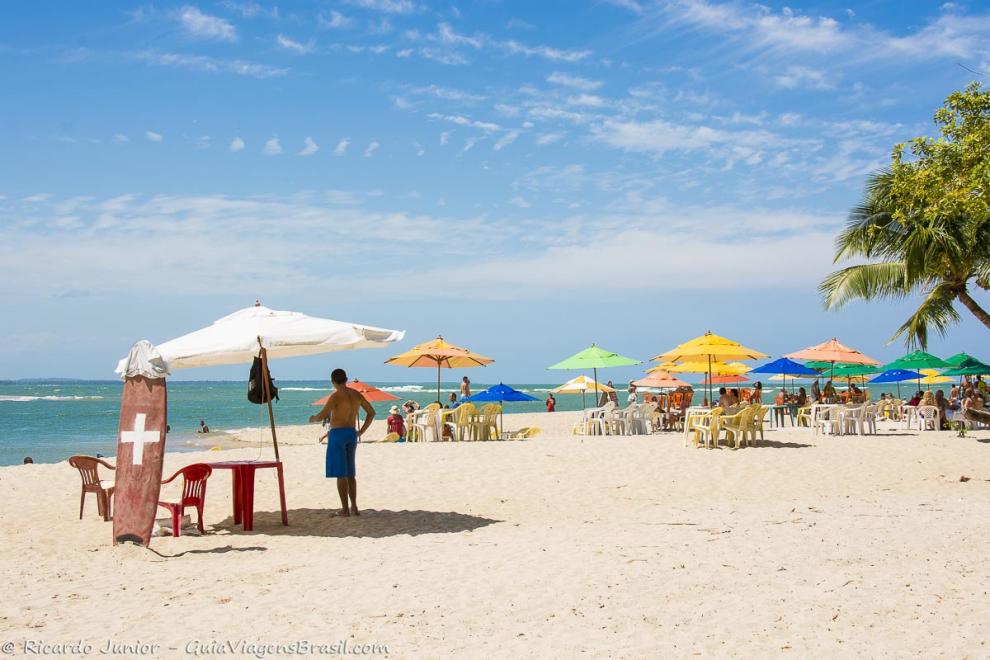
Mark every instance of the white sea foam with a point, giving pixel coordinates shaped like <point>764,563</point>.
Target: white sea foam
<point>302,389</point>
<point>14,398</point>
<point>247,429</point>
<point>406,388</point>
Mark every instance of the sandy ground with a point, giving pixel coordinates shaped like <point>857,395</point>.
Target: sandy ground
<point>611,547</point>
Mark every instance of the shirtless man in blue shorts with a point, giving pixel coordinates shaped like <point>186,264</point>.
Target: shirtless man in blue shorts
<point>342,410</point>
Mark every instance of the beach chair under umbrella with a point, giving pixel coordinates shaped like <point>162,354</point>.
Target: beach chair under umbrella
<point>439,354</point>
<point>594,358</point>
<point>832,352</point>
<point>582,385</point>
<point>709,348</point>
<point>500,393</point>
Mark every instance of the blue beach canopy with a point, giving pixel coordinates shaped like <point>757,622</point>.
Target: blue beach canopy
<point>784,366</point>
<point>499,393</point>
<point>896,376</point>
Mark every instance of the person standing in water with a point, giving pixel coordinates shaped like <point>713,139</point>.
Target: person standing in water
<point>465,388</point>
<point>342,410</point>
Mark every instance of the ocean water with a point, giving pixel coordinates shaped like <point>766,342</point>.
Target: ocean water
<point>52,420</point>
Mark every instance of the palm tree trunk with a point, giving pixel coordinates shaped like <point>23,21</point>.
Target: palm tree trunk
<point>974,307</point>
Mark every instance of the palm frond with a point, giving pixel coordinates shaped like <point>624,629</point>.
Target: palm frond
<point>935,312</point>
<point>865,281</point>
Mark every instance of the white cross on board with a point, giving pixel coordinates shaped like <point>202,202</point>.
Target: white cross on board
<point>139,437</point>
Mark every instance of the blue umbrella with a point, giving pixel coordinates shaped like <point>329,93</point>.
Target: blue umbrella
<point>785,368</point>
<point>500,393</point>
<point>896,376</point>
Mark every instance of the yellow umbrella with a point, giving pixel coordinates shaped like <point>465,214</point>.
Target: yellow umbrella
<point>715,368</point>
<point>582,385</point>
<point>933,377</point>
<point>664,366</point>
<point>440,354</point>
<point>709,348</point>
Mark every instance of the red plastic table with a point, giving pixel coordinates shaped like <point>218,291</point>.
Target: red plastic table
<point>242,483</point>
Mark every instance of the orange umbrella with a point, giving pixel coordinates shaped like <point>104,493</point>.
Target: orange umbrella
<point>725,380</point>
<point>833,351</point>
<point>660,379</point>
<point>370,392</point>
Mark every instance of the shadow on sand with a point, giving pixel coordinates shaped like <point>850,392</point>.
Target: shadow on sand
<point>776,444</point>
<point>371,523</point>
<point>210,551</point>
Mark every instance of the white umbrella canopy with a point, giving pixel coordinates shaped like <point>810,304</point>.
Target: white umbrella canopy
<point>234,338</point>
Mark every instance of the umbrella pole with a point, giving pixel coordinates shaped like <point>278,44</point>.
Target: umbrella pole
<point>582,399</point>
<point>710,397</point>
<point>438,385</point>
<point>268,395</point>
<point>596,385</point>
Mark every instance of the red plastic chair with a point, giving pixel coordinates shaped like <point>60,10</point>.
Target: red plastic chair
<point>193,494</point>
<point>91,483</point>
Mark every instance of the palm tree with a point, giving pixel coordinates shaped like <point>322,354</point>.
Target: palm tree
<point>910,253</point>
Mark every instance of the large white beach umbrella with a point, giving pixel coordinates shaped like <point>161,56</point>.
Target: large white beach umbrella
<point>234,339</point>
<point>247,333</point>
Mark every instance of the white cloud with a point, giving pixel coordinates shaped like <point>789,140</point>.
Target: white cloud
<point>385,6</point>
<point>152,136</point>
<point>577,82</point>
<point>295,46</point>
<point>465,121</point>
<point>337,21</point>
<point>249,9</point>
<point>237,144</point>
<point>548,138</point>
<point>448,94</point>
<point>444,137</point>
<point>659,136</point>
<point>546,52</point>
<point>272,146</point>
<point>120,138</point>
<point>469,144</point>
<point>341,147</point>
<point>211,64</point>
<point>520,202</point>
<point>505,140</point>
<point>796,76</point>
<point>309,147</point>
<point>371,149</point>
<point>204,26</point>
<point>587,100</point>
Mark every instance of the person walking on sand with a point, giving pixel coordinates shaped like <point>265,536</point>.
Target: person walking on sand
<point>465,388</point>
<point>551,403</point>
<point>342,409</point>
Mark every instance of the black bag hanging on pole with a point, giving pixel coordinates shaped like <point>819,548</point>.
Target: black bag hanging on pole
<point>256,387</point>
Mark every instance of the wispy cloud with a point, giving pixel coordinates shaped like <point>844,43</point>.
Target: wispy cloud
<point>796,76</point>
<point>309,147</point>
<point>385,6</point>
<point>237,144</point>
<point>461,120</point>
<point>341,147</point>
<point>295,46</point>
<point>505,140</point>
<point>249,9</point>
<point>272,146</point>
<point>335,21</point>
<point>203,26</point>
<point>577,82</point>
<point>208,64</point>
<point>120,138</point>
<point>449,43</point>
<point>371,149</point>
<point>152,136</point>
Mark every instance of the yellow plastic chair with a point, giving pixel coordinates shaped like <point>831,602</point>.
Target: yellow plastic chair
<point>804,416</point>
<point>757,422</point>
<point>465,425</point>
<point>710,428</point>
<point>489,422</point>
<point>738,426</point>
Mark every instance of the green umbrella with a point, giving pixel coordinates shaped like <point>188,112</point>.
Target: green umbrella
<point>594,358</point>
<point>957,359</point>
<point>970,367</point>
<point>916,362</point>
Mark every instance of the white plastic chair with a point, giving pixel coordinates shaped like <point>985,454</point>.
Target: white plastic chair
<point>852,420</point>
<point>928,416</point>
<point>870,419</point>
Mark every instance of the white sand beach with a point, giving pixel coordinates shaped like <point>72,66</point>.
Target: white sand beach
<point>627,547</point>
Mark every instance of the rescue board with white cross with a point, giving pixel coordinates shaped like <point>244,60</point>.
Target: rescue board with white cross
<point>140,451</point>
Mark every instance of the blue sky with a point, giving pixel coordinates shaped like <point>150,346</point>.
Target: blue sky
<point>524,177</point>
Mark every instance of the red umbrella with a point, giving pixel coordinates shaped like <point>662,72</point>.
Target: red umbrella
<point>370,392</point>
